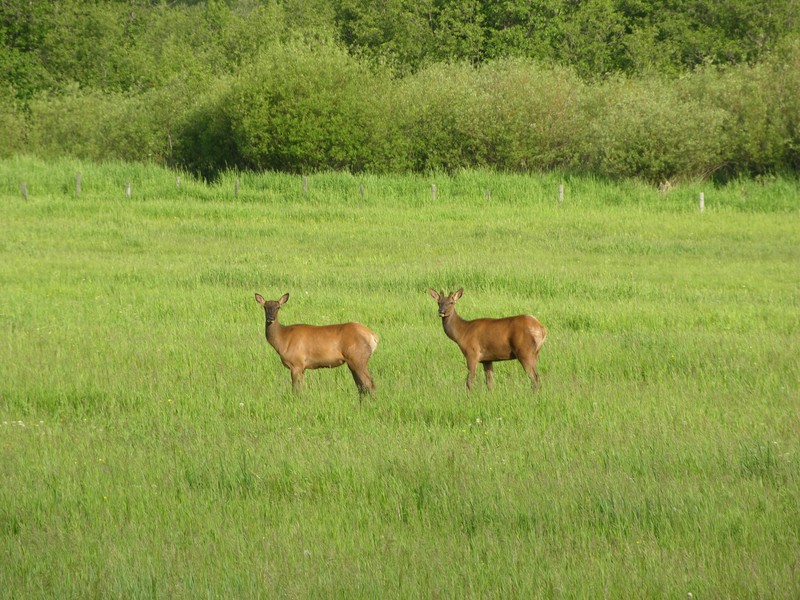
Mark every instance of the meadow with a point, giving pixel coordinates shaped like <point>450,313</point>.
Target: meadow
<point>150,445</point>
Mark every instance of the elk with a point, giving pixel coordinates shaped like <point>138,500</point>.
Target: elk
<point>304,347</point>
<point>487,340</point>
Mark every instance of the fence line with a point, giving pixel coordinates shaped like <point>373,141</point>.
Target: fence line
<point>487,192</point>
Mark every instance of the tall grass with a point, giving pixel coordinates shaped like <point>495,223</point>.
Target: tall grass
<point>150,445</point>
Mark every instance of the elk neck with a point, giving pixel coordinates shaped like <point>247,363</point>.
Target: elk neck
<point>273,332</point>
<point>454,326</point>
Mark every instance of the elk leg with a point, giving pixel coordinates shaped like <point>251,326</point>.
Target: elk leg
<point>298,380</point>
<point>369,381</point>
<point>529,364</point>
<point>363,380</point>
<point>362,383</point>
<point>356,378</point>
<point>472,365</point>
<point>488,371</point>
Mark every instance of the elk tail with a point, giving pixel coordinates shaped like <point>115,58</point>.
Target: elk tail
<point>373,341</point>
<point>539,333</point>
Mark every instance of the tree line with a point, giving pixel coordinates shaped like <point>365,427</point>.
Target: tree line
<point>658,90</point>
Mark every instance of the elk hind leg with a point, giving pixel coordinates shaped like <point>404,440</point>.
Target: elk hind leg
<point>529,364</point>
<point>488,371</point>
<point>363,379</point>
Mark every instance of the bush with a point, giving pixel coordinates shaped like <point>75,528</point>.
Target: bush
<point>74,123</point>
<point>645,128</point>
<point>510,115</point>
<point>304,107</point>
<point>439,114</point>
<point>100,125</point>
<point>12,123</point>
<point>761,106</point>
<point>300,108</point>
<point>530,115</point>
<point>205,144</point>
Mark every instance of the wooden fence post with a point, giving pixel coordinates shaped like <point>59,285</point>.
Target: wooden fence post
<point>702,202</point>
<point>178,183</point>
<point>305,184</point>
<point>361,188</point>
<point>433,192</point>
<point>24,191</point>
<point>560,193</point>
<point>488,195</point>
<point>78,184</point>
<point>128,189</point>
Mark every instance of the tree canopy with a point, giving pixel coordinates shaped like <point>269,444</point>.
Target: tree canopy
<point>136,44</point>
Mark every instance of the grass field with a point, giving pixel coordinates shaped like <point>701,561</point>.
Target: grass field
<point>150,446</point>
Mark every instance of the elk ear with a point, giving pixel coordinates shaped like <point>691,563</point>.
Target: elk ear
<point>433,293</point>
<point>283,299</point>
<point>457,295</point>
<point>260,299</point>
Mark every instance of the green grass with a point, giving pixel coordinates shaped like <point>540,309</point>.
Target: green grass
<point>150,445</point>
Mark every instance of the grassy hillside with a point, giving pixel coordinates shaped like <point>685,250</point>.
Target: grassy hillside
<point>150,445</point>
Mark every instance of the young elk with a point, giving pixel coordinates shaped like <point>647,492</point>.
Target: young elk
<point>487,340</point>
<point>304,347</point>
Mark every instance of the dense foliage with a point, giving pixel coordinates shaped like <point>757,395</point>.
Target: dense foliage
<point>657,90</point>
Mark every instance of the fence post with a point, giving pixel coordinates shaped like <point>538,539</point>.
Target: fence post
<point>433,192</point>
<point>560,193</point>
<point>702,202</point>
<point>24,191</point>
<point>178,183</point>
<point>78,184</point>
<point>305,184</point>
<point>361,188</point>
<point>488,195</point>
<point>128,189</point>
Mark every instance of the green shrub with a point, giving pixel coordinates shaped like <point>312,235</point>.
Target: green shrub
<point>439,112</point>
<point>301,108</point>
<point>761,104</point>
<point>308,106</point>
<point>530,115</point>
<point>97,125</point>
<point>645,128</point>
<point>205,144</point>
<point>510,115</point>
<point>12,123</point>
<point>73,123</point>
<point>786,83</point>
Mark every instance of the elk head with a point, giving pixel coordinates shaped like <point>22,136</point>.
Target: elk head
<point>447,304</point>
<point>271,307</point>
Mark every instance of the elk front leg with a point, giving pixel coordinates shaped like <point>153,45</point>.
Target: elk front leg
<point>488,371</point>
<point>472,366</point>
<point>298,379</point>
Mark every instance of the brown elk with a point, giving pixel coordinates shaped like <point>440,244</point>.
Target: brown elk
<point>304,347</point>
<point>487,340</point>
